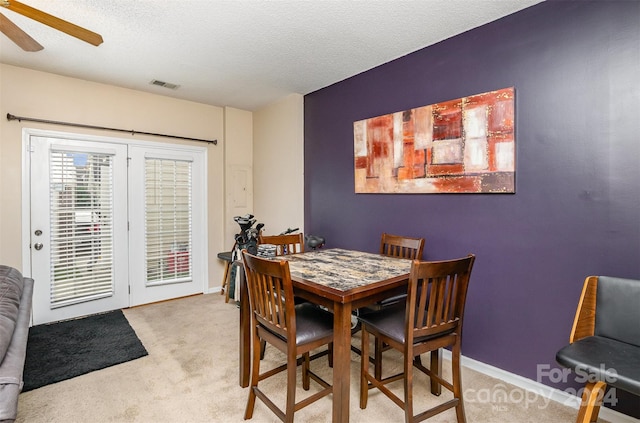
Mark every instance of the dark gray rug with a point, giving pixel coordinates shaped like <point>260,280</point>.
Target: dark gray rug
<point>63,350</point>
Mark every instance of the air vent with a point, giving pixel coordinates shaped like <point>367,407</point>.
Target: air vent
<point>164,84</point>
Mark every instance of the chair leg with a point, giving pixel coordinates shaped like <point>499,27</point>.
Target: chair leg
<point>305,371</point>
<point>255,373</point>
<point>291,388</point>
<point>457,383</point>
<point>436,367</point>
<point>263,347</point>
<point>377,358</point>
<point>596,411</point>
<point>591,401</point>
<point>408,389</point>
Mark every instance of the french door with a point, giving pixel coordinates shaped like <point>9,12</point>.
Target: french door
<point>79,253</point>
<point>113,225</point>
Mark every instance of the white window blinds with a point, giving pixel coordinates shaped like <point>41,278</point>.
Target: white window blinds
<point>168,209</point>
<point>81,239</point>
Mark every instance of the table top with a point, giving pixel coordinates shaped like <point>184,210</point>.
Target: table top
<point>345,269</point>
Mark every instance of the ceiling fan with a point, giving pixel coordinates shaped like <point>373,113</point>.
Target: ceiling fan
<point>25,42</point>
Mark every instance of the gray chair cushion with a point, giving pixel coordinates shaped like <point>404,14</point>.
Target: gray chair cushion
<point>618,309</point>
<point>604,359</point>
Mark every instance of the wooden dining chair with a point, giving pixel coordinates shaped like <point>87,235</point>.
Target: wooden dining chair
<point>431,319</point>
<point>285,244</point>
<point>400,247</point>
<point>293,329</point>
<point>393,246</point>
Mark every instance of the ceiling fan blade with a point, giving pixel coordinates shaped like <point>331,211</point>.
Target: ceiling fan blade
<point>50,20</point>
<point>18,36</point>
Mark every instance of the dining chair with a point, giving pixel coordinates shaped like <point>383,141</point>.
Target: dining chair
<point>604,345</point>
<point>285,244</point>
<point>293,329</point>
<point>392,246</point>
<point>399,247</point>
<point>431,319</point>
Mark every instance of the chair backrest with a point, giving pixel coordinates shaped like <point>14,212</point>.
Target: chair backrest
<point>618,309</point>
<point>401,246</point>
<point>285,244</point>
<point>270,293</point>
<point>436,296</point>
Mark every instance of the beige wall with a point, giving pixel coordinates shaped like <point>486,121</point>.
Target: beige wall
<point>238,159</point>
<point>46,96</point>
<point>278,165</point>
<point>267,143</point>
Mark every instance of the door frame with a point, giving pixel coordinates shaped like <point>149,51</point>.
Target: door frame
<point>201,250</point>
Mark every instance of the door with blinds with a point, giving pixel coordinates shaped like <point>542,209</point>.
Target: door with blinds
<point>167,223</point>
<point>78,228</point>
<point>113,224</point>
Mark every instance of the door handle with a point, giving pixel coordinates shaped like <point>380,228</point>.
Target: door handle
<point>38,246</point>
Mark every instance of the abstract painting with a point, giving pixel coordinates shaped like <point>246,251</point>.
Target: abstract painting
<point>465,145</point>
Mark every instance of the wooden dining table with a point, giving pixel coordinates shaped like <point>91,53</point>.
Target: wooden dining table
<point>341,280</point>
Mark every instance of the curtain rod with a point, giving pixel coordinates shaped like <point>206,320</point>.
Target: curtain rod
<point>79,125</point>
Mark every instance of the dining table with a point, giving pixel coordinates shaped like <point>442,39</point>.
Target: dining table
<point>341,280</point>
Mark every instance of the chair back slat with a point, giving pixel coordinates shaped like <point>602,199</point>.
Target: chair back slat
<point>285,244</point>
<point>436,296</point>
<point>401,246</point>
<point>270,293</point>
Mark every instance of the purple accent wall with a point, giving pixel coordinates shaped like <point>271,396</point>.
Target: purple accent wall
<point>575,66</point>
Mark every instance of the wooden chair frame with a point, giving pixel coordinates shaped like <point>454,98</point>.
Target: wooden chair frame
<point>400,247</point>
<point>285,244</point>
<point>433,319</point>
<point>584,325</point>
<point>273,317</point>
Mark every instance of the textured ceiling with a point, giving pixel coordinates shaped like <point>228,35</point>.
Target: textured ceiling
<point>241,53</point>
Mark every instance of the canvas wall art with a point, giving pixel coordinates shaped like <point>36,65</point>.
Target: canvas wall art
<point>465,145</point>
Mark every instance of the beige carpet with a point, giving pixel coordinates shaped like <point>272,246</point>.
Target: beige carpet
<point>191,375</point>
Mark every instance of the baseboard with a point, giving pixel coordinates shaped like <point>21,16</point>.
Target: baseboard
<point>538,388</point>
